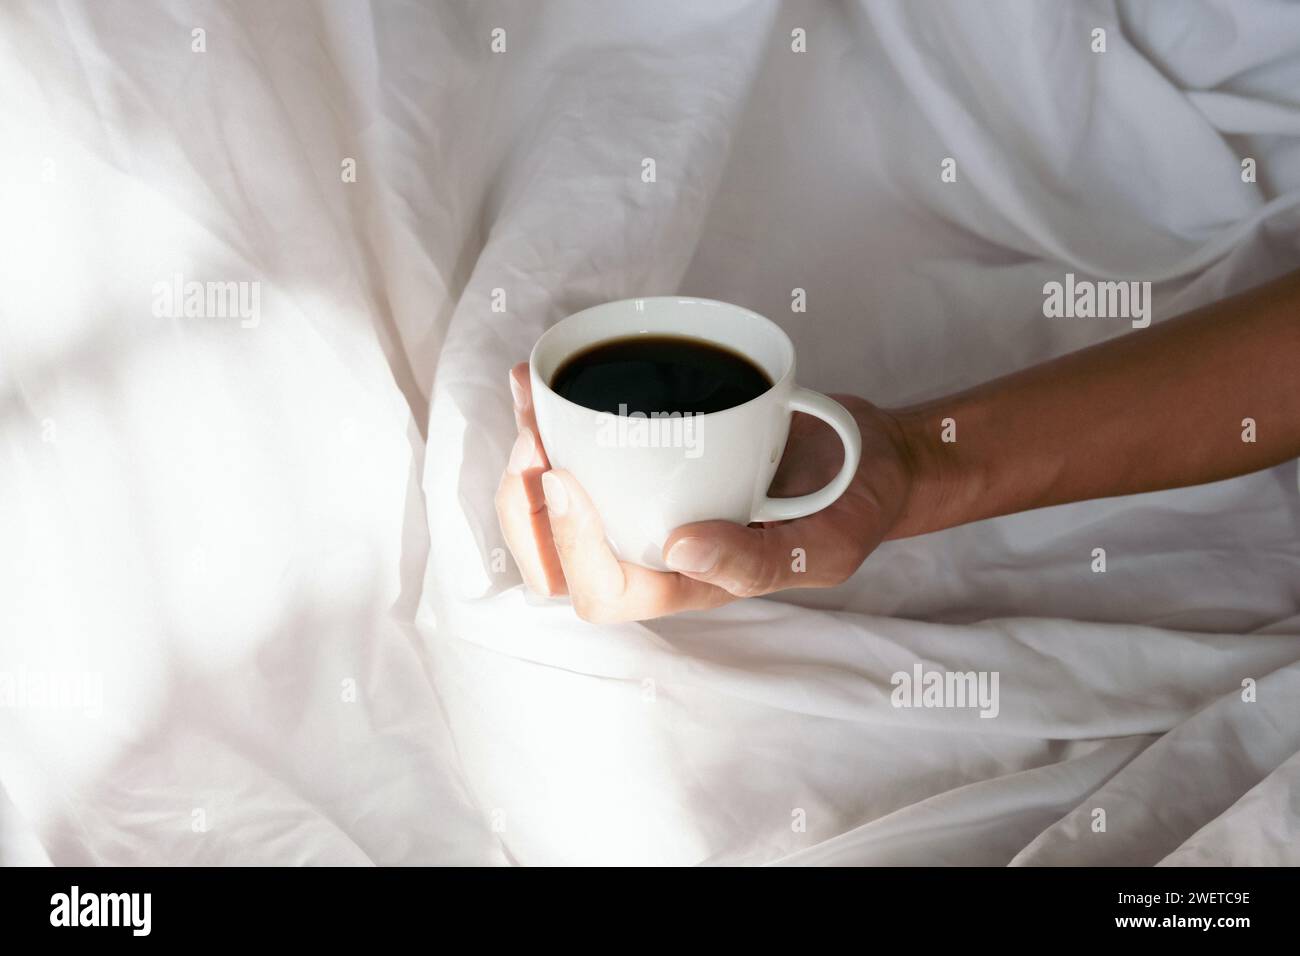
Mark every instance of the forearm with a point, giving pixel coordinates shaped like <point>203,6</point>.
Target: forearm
<point>1156,408</point>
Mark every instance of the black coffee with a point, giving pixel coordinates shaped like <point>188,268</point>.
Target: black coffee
<point>659,373</point>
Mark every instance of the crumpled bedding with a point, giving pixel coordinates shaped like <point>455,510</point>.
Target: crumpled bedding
<point>272,545</point>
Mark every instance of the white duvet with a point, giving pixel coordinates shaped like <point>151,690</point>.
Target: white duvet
<point>259,554</point>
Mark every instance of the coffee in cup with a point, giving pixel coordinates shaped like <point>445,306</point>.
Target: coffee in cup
<point>671,410</point>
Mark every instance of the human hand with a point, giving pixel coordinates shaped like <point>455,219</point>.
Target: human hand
<point>558,541</point>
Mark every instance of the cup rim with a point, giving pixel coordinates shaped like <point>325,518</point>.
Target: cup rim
<point>787,346</point>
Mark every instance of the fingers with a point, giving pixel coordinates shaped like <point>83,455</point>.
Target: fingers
<point>521,391</point>
<point>580,541</point>
<point>748,561</point>
<point>604,589</point>
<point>520,503</point>
<point>559,543</point>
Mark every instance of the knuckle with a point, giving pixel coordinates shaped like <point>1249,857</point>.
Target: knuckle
<point>763,580</point>
<point>771,575</point>
<point>593,612</point>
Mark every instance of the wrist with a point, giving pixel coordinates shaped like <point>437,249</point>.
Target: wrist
<point>939,485</point>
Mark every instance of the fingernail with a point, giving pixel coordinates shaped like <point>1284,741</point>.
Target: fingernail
<point>524,453</point>
<point>519,392</point>
<point>557,499</point>
<point>695,555</point>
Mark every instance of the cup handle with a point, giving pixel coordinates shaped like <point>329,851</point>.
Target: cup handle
<point>838,417</point>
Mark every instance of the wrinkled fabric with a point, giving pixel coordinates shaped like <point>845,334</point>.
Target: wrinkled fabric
<point>275,545</point>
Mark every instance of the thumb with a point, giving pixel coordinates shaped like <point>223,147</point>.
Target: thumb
<point>743,561</point>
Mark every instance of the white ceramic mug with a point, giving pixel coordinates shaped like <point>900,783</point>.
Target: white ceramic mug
<point>647,477</point>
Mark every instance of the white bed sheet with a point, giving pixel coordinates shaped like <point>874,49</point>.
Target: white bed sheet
<point>275,545</point>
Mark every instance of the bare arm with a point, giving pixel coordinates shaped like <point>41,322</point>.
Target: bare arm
<point>1157,408</point>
